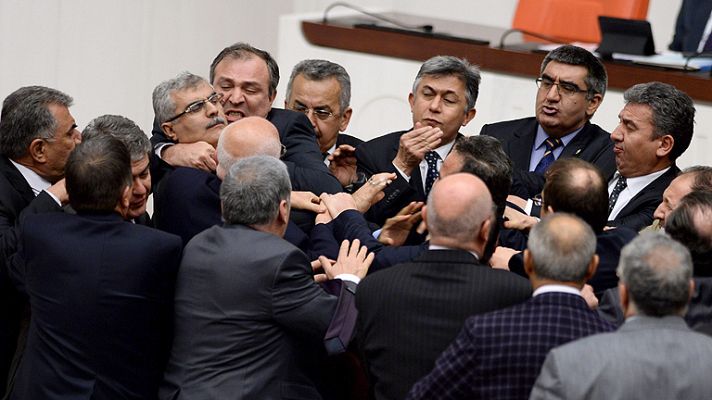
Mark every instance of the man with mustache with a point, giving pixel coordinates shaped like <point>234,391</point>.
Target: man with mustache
<point>246,78</point>
<point>571,86</point>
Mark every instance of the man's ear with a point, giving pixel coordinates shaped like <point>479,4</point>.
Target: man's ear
<point>666,144</point>
<point>592,266</point>
<point>168,130</point>
<point>485,230</point>
<point>469,115</point>
<point>283,215</point>
<point>624,298</point>
<point>38,150</point>
<point>528,263</point>
<point>345,119</point>
<point>411,101</point>
<point>123,206</point>
<point>593,105</point>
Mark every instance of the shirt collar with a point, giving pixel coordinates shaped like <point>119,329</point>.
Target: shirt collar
<point>640,182</point>
<point>444,150</point>
<point>439,247</point>
<point>553,288</point>
<point>36,182</point>
<point>541,137</point>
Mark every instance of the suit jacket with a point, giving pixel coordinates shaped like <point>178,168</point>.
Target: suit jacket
<point>101,317</point>
<point>249,318</point>
<point>498,355</point>
<point>303,158</point>
<point>690,25</point>
<point>647,358</point>
<point>591,144</point>
<point>376,156</point>
<point>187,202</point>
<point>343,138</point>
<point>409,313</point>
<point>638,212</point>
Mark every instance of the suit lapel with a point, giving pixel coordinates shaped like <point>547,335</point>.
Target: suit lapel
<point>15,178</point>
<point>521,148</point>
<point>578,143</point>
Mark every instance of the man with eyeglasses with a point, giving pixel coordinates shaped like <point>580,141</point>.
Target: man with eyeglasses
<point>247,78</point>
<point>571,86</point>
<point>322,90</point>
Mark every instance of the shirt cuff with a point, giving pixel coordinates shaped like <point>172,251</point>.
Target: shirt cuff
<point>528,207</point>
<point>348,277</point>
<point>159,149</point>
<point>401,173</point>
<point>377,233</point>
<point>55,198</point>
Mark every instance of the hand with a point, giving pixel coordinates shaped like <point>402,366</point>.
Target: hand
<point>372,192</point>
<point>59,190</point>
<point>517,201</point>
<point>306,201</point>
<point>413,146</point>
<point>342,164</point>
<point>501,256</point>
<point>516,220</point>
<point>319,274</point>
<point>200,155</point>
<point>338,203</point>
<point>396,229</point>
<point>353,259</point>
<point>323,217</point>
<point>589,296</point>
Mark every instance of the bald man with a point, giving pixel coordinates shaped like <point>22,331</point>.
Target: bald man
<point>409,313</point>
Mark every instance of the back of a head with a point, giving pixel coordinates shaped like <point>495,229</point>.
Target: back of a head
<point>656,271</point>
<point>690,223</point>
<point>484,157</point>
<point>577,187</point>
<point>122,129</point>
<point>253,189</point>
<point>97,172</point>
<point>458,204</point>
<point>247,137</point>
<point>441,66</point>
<point>319,70</point>
<point>596,79</point>
<point>673,112</point>
<point>25,116</point>
<point>562,246</point>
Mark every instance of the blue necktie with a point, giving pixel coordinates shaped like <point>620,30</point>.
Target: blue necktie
<point>548,158</point>
<point>431,158</point>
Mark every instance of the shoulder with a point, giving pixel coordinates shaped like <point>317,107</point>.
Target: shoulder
<point>506,129</point>
<point>388,138</point>
<point>344,138</point>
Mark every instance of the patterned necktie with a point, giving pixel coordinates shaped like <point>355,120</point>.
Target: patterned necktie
<point>548,158</point>
<point>431,158</point>
<point>620,185</point>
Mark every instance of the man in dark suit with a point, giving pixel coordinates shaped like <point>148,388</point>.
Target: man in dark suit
<point>139,148</point>
<point>37,133</point>
<point>572,83</point>
<point>410,312</point>
<point>249,316</point>
<point>322,91</point>
<point>442,100</point>
<point>691,179</point>
<point>655,128</point>
<point>498,355</point>
<point>653,355</point>
<point>100,288</point>
<point>690,26</point>
<point>247,78</point>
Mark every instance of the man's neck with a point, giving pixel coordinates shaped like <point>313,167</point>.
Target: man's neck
<point>457,244</point>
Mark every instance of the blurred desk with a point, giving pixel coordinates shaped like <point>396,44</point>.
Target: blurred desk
<point>456,39</point>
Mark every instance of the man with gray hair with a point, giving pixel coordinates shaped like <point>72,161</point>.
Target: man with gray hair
<point>410,312</point>
<point>571,86</point>
<point>655,128</point>
<point>498,355</point>
<point>249,316</point>
<point>442,100</point>
<point>37,134</point>
<point>692,179</point>
<point>654,354</point>
<point>139,148</point>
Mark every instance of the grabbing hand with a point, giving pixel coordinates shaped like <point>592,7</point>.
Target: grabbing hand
<point>353,259</point>
<point>342,164</point>
<point>372,192</point>
<point>200,155</point>
<point>306,201</point>
<point>396,229</point>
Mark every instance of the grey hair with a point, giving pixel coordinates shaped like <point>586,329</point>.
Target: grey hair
<point>319,70</point>
<point>26,116</point>
<point>702,177</point>
<point>673,112</point>
<point>596,79</point>
<point>562,253</point>
<point>163,105</point>
<point>656,271</point>
<point>440,66</point>
<point>123,129</point>
<point>464,226</point>
<point>253,189</point>
<point>243,51</point>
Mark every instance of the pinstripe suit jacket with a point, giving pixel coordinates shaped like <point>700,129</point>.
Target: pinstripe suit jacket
<point>410,312</point>
<point>498,355</point>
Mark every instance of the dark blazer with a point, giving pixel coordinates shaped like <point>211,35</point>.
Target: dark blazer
<point>409,313</point>
<point>591,144</point>
<point>101,316</point>
<point>690,25</point>
<point>303,158</point>
<point>638,212</point>
<point>498,355</point>
<point>248,317</point>
<point>343,138</point>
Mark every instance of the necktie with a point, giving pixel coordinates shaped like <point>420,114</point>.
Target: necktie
<point>431,158</point>
<point>620,185</point>
<point>324,155</point>
<point>708,45</point>
<point>548,157</point>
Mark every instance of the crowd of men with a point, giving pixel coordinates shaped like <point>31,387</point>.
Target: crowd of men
<point>544,258</point>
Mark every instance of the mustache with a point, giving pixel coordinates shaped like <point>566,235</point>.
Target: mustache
<point>216,121</point>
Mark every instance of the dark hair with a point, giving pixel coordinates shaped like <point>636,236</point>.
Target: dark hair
<point>569,190</point>
<point>468,73</point>
<point>97,172</point>
<point>319,70</point>
<point>123,129</point>
<point>243,51</point>
<point>673,112</point>
<point>596,79</point>
<point>690,223</point>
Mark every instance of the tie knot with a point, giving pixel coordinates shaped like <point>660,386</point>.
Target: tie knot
<point>552,143</point>
<point>432,156</point>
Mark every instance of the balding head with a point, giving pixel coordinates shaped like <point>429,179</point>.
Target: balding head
<point>247,137</point>
<point>459,212</point>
